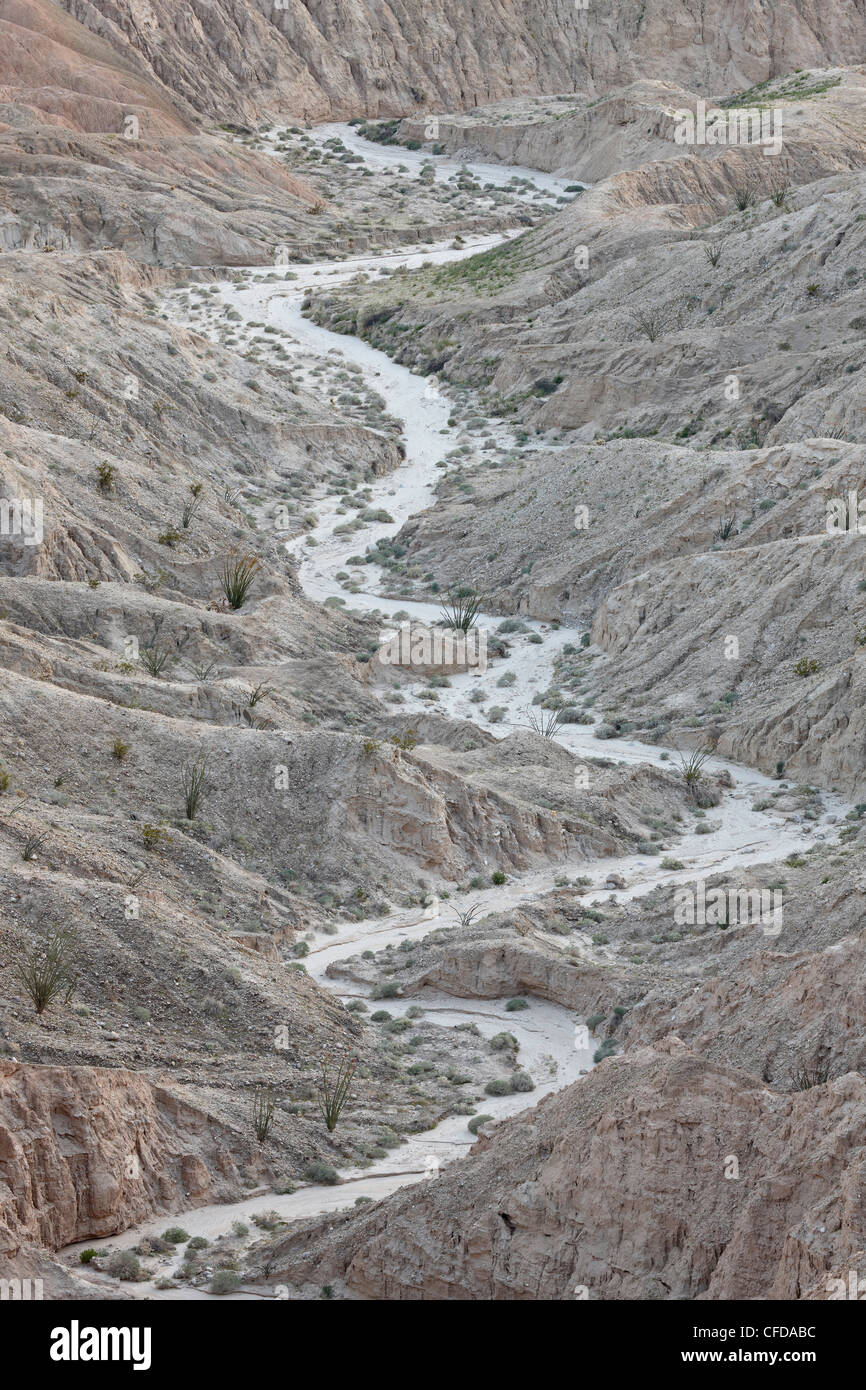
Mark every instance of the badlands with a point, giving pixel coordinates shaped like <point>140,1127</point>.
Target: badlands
<point>432,650</point>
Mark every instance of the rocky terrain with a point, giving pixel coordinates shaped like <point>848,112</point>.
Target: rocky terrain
<point>326,322</point>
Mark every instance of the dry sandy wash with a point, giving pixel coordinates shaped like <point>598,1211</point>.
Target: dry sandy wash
<point>531,969</point>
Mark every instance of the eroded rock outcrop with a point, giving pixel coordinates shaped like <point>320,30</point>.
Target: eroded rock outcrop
<point>658,1176</point>
<point>87,1151</point>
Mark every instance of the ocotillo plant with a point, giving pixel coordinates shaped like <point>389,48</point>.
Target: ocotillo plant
<point>236,578</point>
<point>192,779</point>
<point>334,1088</point>
<point>263,1112</point>
<point>461,610</point>
<point>45,969</point>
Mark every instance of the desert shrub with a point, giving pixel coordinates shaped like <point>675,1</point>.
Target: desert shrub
<point>225,1281</point>
<point>514,1004</point>
<point>236,578</point>
<point>264,1105</point>
<point>85,1256</point>
<point>335,1082</point>
<point>570,714</point>
<point>192,781</point>
<point>476,1122</point>
<point>522,1081</point>
<point>155,660</point>
<point>388,990</point>
<point>319,1172</point>
<point>46,969</point>
<point>124,1265</point>
<point>176,1235</point>
<point>498,1087</point>
<point>503,1042</point>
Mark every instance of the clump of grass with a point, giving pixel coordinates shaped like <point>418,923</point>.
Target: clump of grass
<point>119,749</point>
<point>236,578</point>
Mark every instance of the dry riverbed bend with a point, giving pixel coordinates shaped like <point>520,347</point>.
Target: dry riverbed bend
<point>432,652</point>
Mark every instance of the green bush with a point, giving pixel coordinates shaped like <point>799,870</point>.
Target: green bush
<point>498,1088</point>
<point>320,1172</point>
<point>176,1235</point>
<point>85,1256</point>
<point>225,1281</point>
<point>124,1265</point>
<point>476,1122</point>
<point>514,1004</point>
<point>389,990</point>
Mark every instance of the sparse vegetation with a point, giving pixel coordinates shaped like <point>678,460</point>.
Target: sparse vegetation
<point>264,1106</point>
<point>335,1081</point>
<point>193,779</point>
<point>46,969</point>
<point>236,578</point>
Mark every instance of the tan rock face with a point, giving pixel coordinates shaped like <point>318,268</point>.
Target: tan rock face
<point>622,1186</point>
<point>345,57</point>
<point>771,1013</point>
<point>86,1151</point>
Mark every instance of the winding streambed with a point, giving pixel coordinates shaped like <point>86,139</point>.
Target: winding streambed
<point>546,1032</point>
